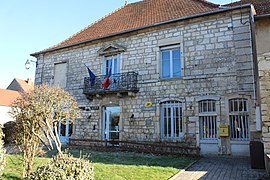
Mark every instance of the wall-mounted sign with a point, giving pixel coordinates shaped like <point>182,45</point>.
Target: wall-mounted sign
<point>148,106</point>
<point>153,108</point>
<point>94,107</point>
<point>223,130</point>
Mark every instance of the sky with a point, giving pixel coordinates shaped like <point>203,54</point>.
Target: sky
<point>28,26</point>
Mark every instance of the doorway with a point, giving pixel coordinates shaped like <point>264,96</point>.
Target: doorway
<point>64,131</point>
<point>110,124</point>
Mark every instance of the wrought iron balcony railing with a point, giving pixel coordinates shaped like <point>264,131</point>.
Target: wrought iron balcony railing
<point>119,83</point>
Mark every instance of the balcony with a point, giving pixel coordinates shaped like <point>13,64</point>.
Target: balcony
<point>120,84</point>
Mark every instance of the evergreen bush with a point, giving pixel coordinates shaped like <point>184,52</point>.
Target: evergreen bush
<point>64,167</point>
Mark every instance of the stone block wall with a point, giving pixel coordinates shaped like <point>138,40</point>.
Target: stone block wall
<point>217,61</point>
<point>262,26</point>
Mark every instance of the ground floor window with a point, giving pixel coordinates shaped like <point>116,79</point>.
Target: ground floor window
<point>171,119</point>
<point>239,127</point>
<point>208,119</point>
<point>239,119</point>
<point>208,127</point>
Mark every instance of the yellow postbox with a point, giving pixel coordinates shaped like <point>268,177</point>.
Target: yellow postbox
<point>223,130</point>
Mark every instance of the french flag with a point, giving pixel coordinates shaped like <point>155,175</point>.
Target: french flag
<point>106,82</point>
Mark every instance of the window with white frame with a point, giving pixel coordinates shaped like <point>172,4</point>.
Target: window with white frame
<point>208,119</point>
<point>170,62</point>
<point>111,64</point>
<point>239,119</point>
<point>171,118</point>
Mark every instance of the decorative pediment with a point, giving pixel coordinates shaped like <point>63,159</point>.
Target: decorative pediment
<point>111,49</point>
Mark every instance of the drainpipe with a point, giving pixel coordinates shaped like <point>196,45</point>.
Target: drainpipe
<point>255,74</point>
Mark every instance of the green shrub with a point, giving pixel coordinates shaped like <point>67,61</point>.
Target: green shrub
<point>64,167</point>
<point>2,152</point>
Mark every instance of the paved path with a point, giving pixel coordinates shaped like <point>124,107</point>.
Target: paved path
<point>221,168</point>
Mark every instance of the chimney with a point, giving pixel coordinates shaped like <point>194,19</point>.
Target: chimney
<point>29,80</point>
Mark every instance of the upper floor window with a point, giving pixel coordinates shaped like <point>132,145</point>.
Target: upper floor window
<point>239,119</point>
<point>208,119</point>
<point>111,54</point>
<point>60,74</point>
<point>171,119</point>
<point>170,62</point>
<point>112,64</point>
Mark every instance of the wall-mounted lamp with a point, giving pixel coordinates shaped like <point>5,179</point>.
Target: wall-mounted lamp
<point>132,117</point>
<point>28,63</point>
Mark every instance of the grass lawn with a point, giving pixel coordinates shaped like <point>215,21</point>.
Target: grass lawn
<point>115,165</point>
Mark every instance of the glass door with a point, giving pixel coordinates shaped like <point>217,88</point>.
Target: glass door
<point>64,131</point>
<point>111,117</point>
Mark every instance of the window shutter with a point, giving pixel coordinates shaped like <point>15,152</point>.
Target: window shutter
<point>103,66</point>
<point>118,63</point>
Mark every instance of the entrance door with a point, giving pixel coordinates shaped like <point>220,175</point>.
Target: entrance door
<point>111,117</point>
<point>64,131</point>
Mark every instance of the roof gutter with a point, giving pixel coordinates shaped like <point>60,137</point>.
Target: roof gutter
<point>144,27</point>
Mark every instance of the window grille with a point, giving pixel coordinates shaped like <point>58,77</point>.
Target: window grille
<point>171,119</point>
<point>239,119</point>
<point>208,120</point>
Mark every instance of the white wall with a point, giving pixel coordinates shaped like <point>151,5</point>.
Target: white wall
<point>4,115</point>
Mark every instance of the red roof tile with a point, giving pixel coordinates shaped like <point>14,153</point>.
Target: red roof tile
<point>26,85</point>
<point>7,97</point>
<point>136,15</point>
<point>261,6</point>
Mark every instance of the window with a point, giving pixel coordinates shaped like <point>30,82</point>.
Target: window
<point>208,120</point>
<point>65,128</point>
<point>171,119</point>
<point>239,119</point>
<point>60,74</point>
<point>170,62</point>
<point>112,64</point>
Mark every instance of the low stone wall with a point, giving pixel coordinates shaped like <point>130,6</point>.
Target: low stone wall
<point>146,147</point>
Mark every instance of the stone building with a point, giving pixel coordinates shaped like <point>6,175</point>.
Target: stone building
<point>182,76</point>
<point>262,32</point>
<point>21,85</point>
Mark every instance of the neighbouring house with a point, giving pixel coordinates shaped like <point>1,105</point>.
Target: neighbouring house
<point>21,85</point>
<point>175,76</point>
<point>262,31</point>
<point>262,34</point>
<point>7,97</point>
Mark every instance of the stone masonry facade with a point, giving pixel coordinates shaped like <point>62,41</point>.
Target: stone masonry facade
<point>217,64</point>
<point>263,56</point>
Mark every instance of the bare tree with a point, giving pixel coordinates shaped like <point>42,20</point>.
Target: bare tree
<point>37,115</point>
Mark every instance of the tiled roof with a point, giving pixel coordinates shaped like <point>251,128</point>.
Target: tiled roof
<point>261,6</point>
<point>26,85</point>
<point>7,97</point>
<point>137,15</point>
